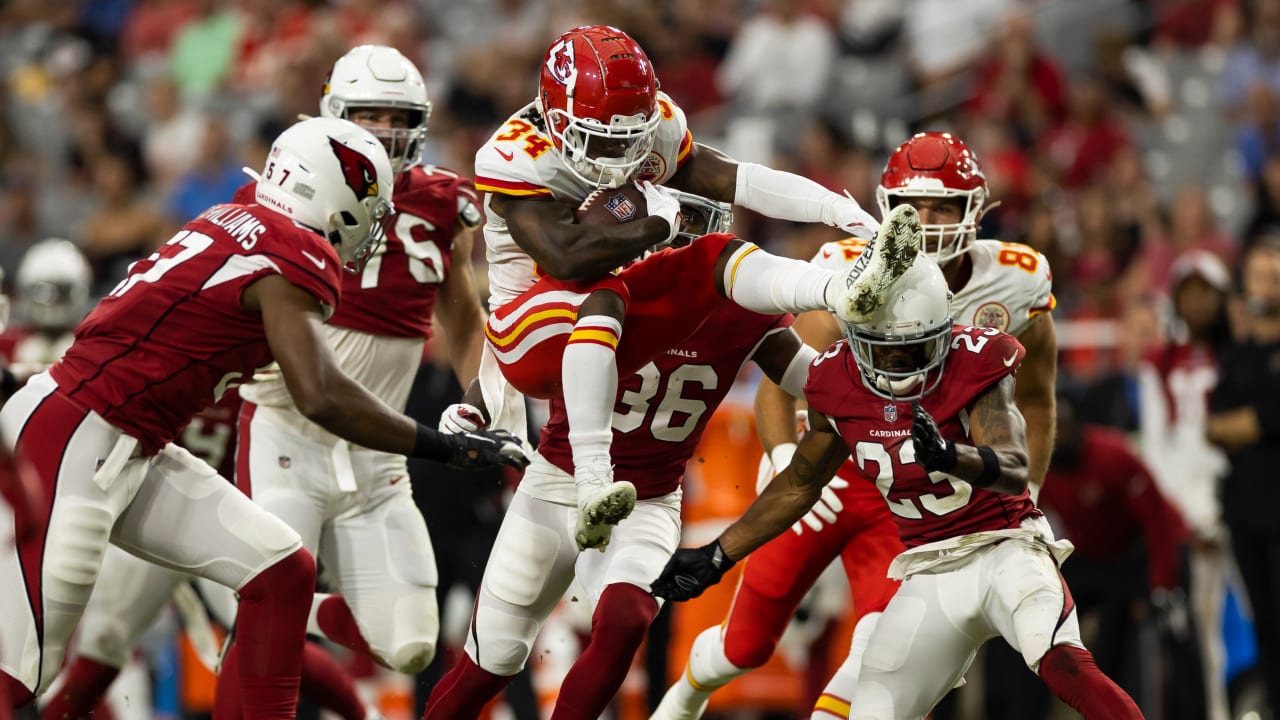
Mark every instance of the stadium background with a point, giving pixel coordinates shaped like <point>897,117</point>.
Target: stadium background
<point>1116,134</point>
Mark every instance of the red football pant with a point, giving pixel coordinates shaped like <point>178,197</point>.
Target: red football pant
<point>669,295</point>
<point>778,575</point>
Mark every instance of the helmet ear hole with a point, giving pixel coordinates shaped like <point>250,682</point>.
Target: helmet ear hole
<point>348,219</point>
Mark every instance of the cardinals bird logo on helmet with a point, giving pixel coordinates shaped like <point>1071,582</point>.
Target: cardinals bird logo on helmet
<point>357,170</point>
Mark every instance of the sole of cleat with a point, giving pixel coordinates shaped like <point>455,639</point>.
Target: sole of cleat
<point>887,258</point>
<point>597,518</point>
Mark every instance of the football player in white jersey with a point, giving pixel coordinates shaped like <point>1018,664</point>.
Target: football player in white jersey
<point>599,121</point>
<point>352,506</point>
<point>993,284</point>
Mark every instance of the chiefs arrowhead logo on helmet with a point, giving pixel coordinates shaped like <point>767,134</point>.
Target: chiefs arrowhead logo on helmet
<point>560,61</point>
<point>357,170</point>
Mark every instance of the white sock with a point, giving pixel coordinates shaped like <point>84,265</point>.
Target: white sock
<point>838,695</point>
<point>313,625</point>
<point>708,670</point>
<point>590,378</point>
<point>769,284</point>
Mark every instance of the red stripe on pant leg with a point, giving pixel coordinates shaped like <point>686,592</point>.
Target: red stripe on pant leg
<point>43,444</point>
<point>245,421</point>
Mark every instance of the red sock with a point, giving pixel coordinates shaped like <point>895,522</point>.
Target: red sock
<point>618,626</point>
<point>226,694</point>
<point>271,627</point>
<point>324,681</point>
<point>1070,673</point>
<point>339,625</point>
<point>86,681</point>
<point>463,692</point>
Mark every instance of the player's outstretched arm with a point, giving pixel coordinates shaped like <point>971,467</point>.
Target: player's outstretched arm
<point>772,193</point>
<point>292,319</point>
<point>997,460</point>
<point>567,251</point>
<point>692,570</point>
<point>1034,395</point>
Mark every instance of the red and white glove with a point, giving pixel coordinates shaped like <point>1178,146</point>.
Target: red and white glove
<point>461,418</point>
<point>825,510</point>
<point>664,206</point>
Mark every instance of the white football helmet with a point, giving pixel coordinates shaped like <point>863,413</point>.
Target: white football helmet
<point>915,318</point>
<point>699,216</point>
<point>53,284</point>
<point>334,177</point>
<point>377,76</point>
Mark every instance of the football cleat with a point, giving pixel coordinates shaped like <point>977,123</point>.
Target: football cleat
<point>866,283</point>
<point>602,504</point>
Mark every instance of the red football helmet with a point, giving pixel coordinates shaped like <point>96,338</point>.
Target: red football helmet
<point>935,164</point>
<point>598,95</point>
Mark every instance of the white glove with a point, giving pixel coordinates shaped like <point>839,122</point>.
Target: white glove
<point>772,463</point>
<point>851,218</point>
<point>461,418</point>
<point>662,205</point>
<point>825,509</point>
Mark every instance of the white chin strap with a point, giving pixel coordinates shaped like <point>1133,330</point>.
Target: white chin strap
<point>901,386</point>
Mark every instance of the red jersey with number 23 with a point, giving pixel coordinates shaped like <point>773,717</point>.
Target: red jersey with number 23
<point>926,506</point>
<point>173,336</point>
<point>662,410</point>
<point>395,293</point>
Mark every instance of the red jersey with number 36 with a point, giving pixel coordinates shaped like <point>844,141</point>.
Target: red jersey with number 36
<point>662,410</point>
<point>173,336</point>
<point>396,292</point>
<point>927,506</point>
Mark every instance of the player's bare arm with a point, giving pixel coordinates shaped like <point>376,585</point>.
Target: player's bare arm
<point>324,394</point>
<point>792,493</point>
<point>1034,395</point>
<point>709,173</point>
<point>459,312</point>
<point>996,460</point>
<point>546,230</point>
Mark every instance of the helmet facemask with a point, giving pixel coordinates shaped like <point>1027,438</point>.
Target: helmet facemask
<point>603,156</point>
<point>699,216</point>
<point>942,241</point>
<point>405,145</point>
<point>357,241</point>
<point>905,366</point>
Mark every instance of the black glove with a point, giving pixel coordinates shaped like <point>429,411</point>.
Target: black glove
<point>691,571</point>
<point>483,448</point>
<point>932,451</point>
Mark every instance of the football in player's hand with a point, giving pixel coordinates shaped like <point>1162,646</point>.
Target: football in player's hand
<point>611,207</point>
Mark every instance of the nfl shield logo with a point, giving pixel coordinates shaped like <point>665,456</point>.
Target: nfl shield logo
<point>890,413</point>
<point>621,207</point>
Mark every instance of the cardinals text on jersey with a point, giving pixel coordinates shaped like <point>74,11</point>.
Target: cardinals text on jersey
<point>927,507</point>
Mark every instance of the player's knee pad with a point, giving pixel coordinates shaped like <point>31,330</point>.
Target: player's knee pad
<point>500,643</point>
<point>79,531</point>
<point>415,630</point>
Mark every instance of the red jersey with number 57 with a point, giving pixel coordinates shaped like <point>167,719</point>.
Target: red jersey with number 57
<point>173,336</point>
<point>396,292</point>
<point>927,506</point>
<point>662,410</point>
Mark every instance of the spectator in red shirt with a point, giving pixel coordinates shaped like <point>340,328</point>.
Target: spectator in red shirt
<point>1017,84</point>
<point>1082,147</point>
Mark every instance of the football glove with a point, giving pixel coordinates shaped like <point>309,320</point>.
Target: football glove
<point>932,451</point>
<point>690,571</point>
<point>664,206</point>
<point>460,418</point>
<point>485,448</point>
